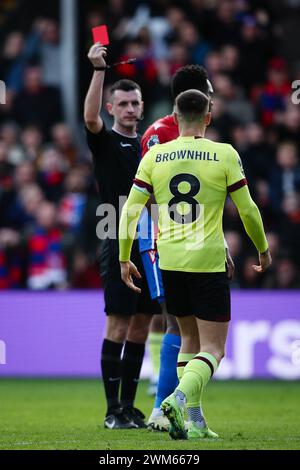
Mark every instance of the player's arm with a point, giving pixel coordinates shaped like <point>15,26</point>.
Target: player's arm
<point>93,101</point>
<point>138,197</point>
<point>253,224</point>
<point>128,223</point>
<point>151,138</point>
<point>248,210</point>
<point>229,261</point>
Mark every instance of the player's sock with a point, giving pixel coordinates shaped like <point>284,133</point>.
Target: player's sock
<point>111,372</point>
<point>132,361</point>
<point>154,343</point>
<point>180,398</point>
<point>196,416</point>
<point>196,375</point>
<point>156,412</point>
<point>182,361</point>
<point>195,413</point>
<point>167,381</point>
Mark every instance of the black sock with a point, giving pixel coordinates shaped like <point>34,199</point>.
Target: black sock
<point>111,372</point>
<point>132,361</point>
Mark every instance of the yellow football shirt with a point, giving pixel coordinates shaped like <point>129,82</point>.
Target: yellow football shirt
<point>190,178</point>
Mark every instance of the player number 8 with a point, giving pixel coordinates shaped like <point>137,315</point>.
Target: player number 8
<point>188,198</point>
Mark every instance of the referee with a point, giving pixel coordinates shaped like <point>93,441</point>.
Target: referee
<point>116,155</point>
<point>190,178</point>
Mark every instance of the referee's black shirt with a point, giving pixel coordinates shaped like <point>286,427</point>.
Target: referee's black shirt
<point>116,159</point>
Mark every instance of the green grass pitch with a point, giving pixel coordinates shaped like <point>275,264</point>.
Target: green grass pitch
<point>68,414</point>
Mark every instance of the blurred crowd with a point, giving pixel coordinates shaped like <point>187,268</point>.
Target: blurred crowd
<point>48,197</point>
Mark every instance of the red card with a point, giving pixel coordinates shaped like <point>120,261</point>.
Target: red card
<point>100,34</point>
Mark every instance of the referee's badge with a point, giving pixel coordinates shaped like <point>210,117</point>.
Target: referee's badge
<point>153,141</point>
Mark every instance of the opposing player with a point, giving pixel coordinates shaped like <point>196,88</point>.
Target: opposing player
<point>165,130</point>
<point>190,178</point>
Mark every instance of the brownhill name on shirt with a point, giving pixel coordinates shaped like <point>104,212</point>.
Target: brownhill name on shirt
<point>186,155</point>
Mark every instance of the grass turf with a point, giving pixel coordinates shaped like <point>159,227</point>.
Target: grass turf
<point>68,414</point>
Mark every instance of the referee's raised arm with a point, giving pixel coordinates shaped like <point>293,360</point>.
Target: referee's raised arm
<point>93,101</point>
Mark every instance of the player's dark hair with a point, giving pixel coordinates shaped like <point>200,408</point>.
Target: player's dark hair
<point>190,77</point>
<point>125,85</point>
<point>192,104</point>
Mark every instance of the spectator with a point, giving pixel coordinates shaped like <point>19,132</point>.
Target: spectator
<point>9,134</point>
<point>52,171</point>
<point>254,49</point>
<point>258,157</point>
<point>274,245</point>
<point>37,104</point>
<point>49,52</point>
<point>32,140</point>
<point>85,274</point>
<point>230,58</point>
<point>285,276</point>
<point>231,217</point>
<point>289,124</point>
<point>249,278</point>
<point>189,36</point>
<point>239,138</point>
<point>41,45</point>
<point>144,71</point>
<point>290,224</point>
<point>178,56</point>
<point>12,52</point>
<point>213,134</point>
<point>46,260</point>
<point>235,244</point>
<point>262,196</point>
<point>24,175</point>
<point>236,105</point>
<point>225,27</point>
<point>222,121</point>
<point>213,63</point>
<point>77,214</point>
<point>6,110</point>
<point>285,177</point>
<point>23,208</point>
<point>273,96</point>
<point>6,168</point>
<point>73,203</point>
<point>10,259</point>
<point>63,140</point>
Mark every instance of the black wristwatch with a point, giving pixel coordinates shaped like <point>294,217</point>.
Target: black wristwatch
<point>100,68</point>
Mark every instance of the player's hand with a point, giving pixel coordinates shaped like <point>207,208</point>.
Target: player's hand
<point>97,54</point>
<point>127,269</point>
<point>230,264</point>
<point>265,260</point>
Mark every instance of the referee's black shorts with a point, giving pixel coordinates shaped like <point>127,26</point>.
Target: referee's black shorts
<point>204,295</point>
<point>119,299</point>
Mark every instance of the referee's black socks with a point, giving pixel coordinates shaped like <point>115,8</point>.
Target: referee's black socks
<point>132,361</point>
<point>111,372</point>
